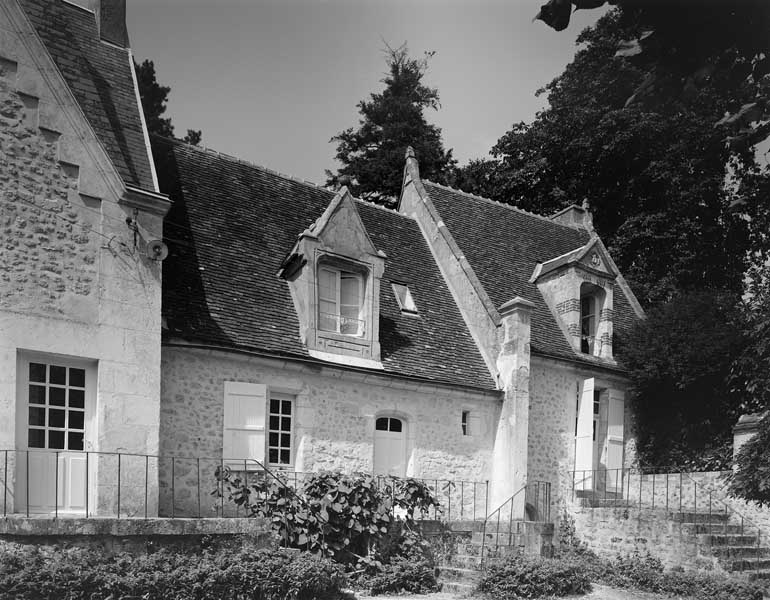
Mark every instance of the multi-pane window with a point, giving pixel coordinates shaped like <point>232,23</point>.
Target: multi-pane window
<point>56,405</point>
<point>587,324</point>
<point>340,299</point>
<point>279,438</point>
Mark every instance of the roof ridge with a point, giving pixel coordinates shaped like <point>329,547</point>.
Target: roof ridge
<point>80,6</point>
<point>381,207</point>
<point>240,160</point>
<point>498,203</point>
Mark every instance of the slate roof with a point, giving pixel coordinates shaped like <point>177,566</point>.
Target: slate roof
<point>231,225</point>
<point>503,245</point>
<point>101,80</point>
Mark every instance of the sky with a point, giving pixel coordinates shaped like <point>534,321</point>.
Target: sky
<point>271,81</point>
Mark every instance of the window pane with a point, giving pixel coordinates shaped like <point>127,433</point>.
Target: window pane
<point>36,394</point>
<point>75,441</point>
<point>587,306</point>
<point>273,441</point>
<point>37,372</point>
<point>274,423</point>
<point>275,406</point>
<point>327,285</point>
<point>56,440</point>
<point>76,419</point>
<point>350,289</point>
<point>285,457</point>
<point>77,399</point>
<point>37,438</point>
<point>78,377</point>
<point>55,418</point>
<point>273,455</point>
<point>285,423</point>
<point>37,416</point>
<point>286,440</point>
<point>56,396</point>
<point>286,407</point>
<point>58,375</point>
<point>395,425</point>
<point>327,316</point>
<point>382,424</point>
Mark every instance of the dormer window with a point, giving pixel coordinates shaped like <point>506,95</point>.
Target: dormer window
<point>340,301</point>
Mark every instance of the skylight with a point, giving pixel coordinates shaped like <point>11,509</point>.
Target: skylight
<point>404,298</point>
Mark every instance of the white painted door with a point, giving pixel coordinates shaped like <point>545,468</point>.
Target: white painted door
<point>616,411</point>
<point>51,465</point>
<point>584,437</point>
<point>389,447</point>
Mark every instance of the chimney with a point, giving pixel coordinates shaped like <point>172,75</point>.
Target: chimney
<point>111,21</point>
<point>575,216</point>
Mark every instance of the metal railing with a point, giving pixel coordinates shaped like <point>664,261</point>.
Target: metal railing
<point>533,500</point>
<point>132,485</point>
<point>668,489</point>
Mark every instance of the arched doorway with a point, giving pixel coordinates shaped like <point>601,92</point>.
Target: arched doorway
<point>390,446</point>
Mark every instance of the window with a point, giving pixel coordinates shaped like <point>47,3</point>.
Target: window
<point>404,298</point>
<point>587,323</point>
<point>340,301</point>
<point>279,443</point>
<point>465,422</point>
<point>56,406</point>
<point>388,424</point>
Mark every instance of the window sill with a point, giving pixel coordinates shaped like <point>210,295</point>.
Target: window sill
<point>344,359</point>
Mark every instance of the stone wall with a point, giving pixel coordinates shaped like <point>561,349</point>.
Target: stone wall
<point>73,283</point>
<point>334,423</point>
<point>613,531</point>
<point>554,388</point>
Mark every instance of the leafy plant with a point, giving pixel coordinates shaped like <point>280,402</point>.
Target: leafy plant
<point>532,577</point>
<point>347,517</point>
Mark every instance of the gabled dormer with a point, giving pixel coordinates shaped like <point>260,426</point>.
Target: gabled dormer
<point>578,288</point>
<point>334,273</point>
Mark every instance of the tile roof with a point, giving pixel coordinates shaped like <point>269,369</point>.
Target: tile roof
<point>100,77</point>
<point>231,225</point>
<point>503,244</point>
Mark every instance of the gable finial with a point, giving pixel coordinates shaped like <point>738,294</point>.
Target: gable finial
<point>588,218</point>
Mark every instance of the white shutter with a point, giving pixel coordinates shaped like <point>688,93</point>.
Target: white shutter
<point>244,423</point>
<point>474,425</point>
<point>615,440</point>
<point>584,442</point>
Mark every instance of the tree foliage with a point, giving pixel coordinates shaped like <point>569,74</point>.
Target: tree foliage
<point>372,155</point>
<point>750,479</point>
<point>679,359</point>
<point>653,171</point>
<point>154,98</point>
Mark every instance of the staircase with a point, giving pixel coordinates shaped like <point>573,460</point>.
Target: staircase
<point>722,538</point>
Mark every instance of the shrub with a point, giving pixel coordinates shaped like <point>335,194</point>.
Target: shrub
<point>79,574</point>
<point>704,586</point>
<point>402,575</point>
<point>531,577</point>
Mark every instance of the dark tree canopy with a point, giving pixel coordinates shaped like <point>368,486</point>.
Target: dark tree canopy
<point>154,97</point>
<point>372,155</point>
<point>679,359</point>
<point>653,171</point>
<point>750,479</point>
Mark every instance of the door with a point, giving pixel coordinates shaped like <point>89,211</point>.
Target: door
<point>615,414</point>
<point>54,407</point>
<point>389,447</point>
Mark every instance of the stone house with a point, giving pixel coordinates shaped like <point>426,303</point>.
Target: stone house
<point>453,338</point>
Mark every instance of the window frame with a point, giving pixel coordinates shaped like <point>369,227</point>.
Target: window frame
<point>340,272</point>
<point>588,323</point>
<point>280,397</point>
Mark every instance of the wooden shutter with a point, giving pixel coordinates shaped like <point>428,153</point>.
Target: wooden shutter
<point>584,441</point>
<point>474,424</point>
<point>615,417</point>
<point>244,423</point>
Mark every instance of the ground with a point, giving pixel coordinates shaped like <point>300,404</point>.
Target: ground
<point>600,592</point>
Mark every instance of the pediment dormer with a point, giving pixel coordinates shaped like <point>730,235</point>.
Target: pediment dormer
<point>578,287</point>
<point>334,273</point>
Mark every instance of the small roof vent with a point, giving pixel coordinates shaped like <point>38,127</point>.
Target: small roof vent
<point>404,298</point>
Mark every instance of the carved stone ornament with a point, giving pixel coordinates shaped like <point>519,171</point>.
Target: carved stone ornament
<point>595,260</point>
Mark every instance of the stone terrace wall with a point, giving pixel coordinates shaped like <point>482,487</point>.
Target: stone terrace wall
<point>334,423</point>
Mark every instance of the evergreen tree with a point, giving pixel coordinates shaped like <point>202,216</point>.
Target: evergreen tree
<point>154,97</point>
<point>372,155</point>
